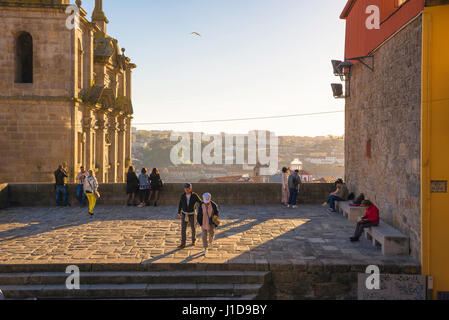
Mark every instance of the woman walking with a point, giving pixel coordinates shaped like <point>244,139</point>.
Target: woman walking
<point>156,185</point>
<point>132,185</point>
<point>285,189</point>
<point>207,218</point>
<point>91,190</point>
<point>144,185</point>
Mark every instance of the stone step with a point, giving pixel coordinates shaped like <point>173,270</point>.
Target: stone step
<point>138,290</point>
<point>116,277</point>
<point>154,266</point>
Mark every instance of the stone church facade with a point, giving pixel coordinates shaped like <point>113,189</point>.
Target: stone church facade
<point>65,93</point>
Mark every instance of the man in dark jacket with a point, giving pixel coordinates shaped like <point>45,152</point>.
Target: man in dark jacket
<point>294,181</point>
<point>60,185</point>
<point>186,212</point>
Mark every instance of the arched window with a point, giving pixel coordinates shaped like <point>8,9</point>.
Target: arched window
<point>24,58</point>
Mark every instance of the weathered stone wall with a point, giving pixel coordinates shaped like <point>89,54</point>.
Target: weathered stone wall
<point>312,281</point>
<point>35,137</point>
<point>27,195</point>
<point>385,107</point>
<point>35,118</point>
<point>52,46</point>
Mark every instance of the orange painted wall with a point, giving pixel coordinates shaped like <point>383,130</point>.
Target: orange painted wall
<point>359,40</point>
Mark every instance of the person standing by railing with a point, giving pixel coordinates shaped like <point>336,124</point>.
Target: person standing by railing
<point>132,185</point>
<point>285,189</point>
<point>60,185</point>
<point>156,185</point>
<point>80,195</point>
<point>144,182</point>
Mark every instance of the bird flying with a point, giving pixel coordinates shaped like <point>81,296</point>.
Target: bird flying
<point>196,33</point>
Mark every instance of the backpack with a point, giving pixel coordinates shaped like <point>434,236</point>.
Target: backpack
<point>351,196</point>
<point>359,199</point>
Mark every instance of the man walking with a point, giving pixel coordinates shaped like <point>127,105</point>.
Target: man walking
<point>60,176</point>
<point>80,195</point>
<point>294,181</point>
<point>186,212</point>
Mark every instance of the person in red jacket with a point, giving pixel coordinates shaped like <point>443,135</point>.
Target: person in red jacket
<point>371,219</point>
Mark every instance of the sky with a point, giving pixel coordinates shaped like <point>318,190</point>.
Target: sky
<point>255,58</point>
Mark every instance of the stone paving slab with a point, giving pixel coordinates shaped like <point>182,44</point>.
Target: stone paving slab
<point>248,234</point>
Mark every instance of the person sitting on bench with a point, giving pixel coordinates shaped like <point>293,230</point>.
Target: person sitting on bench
<point>341,194</point>
<point>370,219</point>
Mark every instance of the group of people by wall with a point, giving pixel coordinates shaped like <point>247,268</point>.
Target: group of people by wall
<point>371,217</point>
<point>192,209</point>
<point>87,188</point>
<point>145,185</point>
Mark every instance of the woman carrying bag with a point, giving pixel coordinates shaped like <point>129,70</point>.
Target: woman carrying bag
<point>208,219</point>
<point>91,191</point>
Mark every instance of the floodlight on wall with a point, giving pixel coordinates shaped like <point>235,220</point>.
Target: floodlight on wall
<point>337,89</point>
<point>342,69</point>
<point>336,67</point>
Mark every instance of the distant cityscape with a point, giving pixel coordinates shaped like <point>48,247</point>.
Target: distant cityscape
<point>319,159</point>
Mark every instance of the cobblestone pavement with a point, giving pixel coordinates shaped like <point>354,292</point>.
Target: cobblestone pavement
<point>248,234</point>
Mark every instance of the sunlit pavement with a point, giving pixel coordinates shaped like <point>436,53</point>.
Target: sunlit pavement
<point>248,234</point>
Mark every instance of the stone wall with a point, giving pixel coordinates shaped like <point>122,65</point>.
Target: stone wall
<point>314,281</point>
<point>35,137</point>
<point>27,195</point>
<point>385,108</point>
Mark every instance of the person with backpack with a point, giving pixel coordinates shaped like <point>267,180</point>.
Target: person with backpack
<point>208,220</point>
<point>294,181</point>
<point>144,185</point>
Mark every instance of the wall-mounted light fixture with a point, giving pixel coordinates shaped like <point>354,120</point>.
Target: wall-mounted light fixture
<point>343,69</point>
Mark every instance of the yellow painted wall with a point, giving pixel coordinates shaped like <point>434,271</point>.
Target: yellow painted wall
<point>435,145</point>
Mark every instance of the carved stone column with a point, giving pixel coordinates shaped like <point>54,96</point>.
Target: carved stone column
<point>121,150</point>
<point>101,147</point>
<point>88,124</point>
<point>113,150</point>
<point>128,140</point>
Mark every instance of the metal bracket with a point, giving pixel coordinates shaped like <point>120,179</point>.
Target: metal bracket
<point>361,60</point>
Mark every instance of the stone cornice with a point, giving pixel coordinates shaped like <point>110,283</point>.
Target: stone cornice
<point>33,5</point>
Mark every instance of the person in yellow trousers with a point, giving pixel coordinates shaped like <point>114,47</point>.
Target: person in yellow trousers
<point>91,191</point>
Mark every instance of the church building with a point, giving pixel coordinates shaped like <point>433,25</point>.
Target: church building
<point>65,93</point>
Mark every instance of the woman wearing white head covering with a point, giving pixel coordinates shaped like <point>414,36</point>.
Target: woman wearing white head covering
<point>208,219</point>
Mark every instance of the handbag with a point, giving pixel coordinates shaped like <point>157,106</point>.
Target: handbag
<point>214,221</point>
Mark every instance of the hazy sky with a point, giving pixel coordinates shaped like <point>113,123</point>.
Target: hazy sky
<point>255,58</point>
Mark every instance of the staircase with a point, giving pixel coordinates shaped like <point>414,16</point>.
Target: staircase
<point>105,284</point>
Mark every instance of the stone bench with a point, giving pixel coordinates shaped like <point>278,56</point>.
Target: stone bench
<point>352,213</point>
<point>392,241</point>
